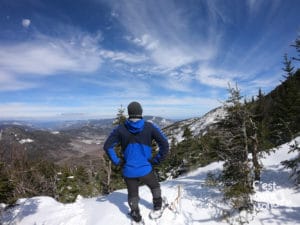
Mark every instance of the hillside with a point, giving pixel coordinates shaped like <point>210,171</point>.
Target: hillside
<point>71,142</point>
<point>276,201</point>
<point>276,114</point>
<point>197,125</point>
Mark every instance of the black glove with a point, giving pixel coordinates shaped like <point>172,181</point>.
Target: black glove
<point>121,163</point>
<point>153,161</point>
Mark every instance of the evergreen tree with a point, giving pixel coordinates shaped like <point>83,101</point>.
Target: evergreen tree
<point>297,46</point>
<point>288,68</point>
<point>113,176</point>
<point>293,102</point>
<point>259,110</point>
<point>67,185</point>
<point>294,164</point>
<point>284,120</point>
<point>187,134</point>
<point>120,118</point>
<point>233,136</point>
<point>6,186</point>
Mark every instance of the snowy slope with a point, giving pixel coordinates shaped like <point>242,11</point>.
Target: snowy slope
<point>277,202</point>
<point>197,126</point>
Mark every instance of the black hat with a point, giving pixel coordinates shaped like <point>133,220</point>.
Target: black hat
<point>135,110</point>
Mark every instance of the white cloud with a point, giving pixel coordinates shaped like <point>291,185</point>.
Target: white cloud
<point>256,6</point>
<point>90,107</point>
<point>214,77</point>
<point>265,83</point>
<point>179,80</point>
<point>46,56</point>
<point>183,101</point>
<point>145,41</point>
<point>26,23</point>
<point>253,5</point>
<point>122,56</point>
<point>166,32</point>
<point>9,83</point>
<point>120,87</point>
<point>178,106</point>
<point>170,55</point>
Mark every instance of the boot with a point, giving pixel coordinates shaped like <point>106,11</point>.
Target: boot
<point>157,203</point>
<point>135,215</point>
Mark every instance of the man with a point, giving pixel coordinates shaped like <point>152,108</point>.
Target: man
<point>135,137</point>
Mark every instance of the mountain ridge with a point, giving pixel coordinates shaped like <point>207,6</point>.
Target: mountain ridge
<point>197,125</point>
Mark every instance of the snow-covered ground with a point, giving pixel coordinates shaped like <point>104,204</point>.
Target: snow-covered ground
<point>27,140</point>
<point>277,202</point>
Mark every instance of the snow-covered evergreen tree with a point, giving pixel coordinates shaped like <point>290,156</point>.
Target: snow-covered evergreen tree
<point>236,176</point>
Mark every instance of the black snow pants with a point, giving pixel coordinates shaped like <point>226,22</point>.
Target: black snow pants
<point>133,190</point>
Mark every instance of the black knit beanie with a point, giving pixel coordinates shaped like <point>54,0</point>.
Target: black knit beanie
<point>135,110</point>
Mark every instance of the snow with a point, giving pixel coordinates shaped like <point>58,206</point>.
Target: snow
<point>28,140</point>
<point>276,202</point>
<point>198,126</point>
<point>88,142</point>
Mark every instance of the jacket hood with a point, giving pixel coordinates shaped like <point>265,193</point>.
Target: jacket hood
<point>135,126</point>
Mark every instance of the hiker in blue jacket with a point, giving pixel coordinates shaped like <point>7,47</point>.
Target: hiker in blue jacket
<point>135,137</point>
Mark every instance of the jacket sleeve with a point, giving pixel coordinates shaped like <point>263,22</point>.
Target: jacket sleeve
<point>163,145</point>
<point>109,145</point>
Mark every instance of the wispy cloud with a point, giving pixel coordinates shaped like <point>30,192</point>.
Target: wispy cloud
<point>125,87</point>
<point>253,5</point>
<point>215,77</point>
<point>145,41</point>
<point>178,106</point>
<point>122,56</point>
<point>76,52</point>
<point>49,56</point>
<point>9,83</point>
<point>163,30</point>
<point>178,80</point>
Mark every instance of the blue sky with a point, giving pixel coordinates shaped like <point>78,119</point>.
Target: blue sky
<point>64,59</point>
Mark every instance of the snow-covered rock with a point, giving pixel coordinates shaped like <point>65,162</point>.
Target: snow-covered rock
<point>197,126</point>
<point>27,140</point>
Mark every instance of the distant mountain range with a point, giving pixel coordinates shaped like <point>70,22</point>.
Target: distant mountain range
<point>75,124</point>
<point>80,142</point>
<point>76,142</point>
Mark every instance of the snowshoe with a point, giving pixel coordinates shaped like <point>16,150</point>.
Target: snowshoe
<point>157,213</point>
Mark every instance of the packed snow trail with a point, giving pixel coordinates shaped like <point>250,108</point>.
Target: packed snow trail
<point>277,202</point>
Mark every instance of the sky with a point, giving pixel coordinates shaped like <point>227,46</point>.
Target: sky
<point>86,59</point>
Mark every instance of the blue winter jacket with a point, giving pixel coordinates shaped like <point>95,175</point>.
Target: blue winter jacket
<point>136,144</point>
